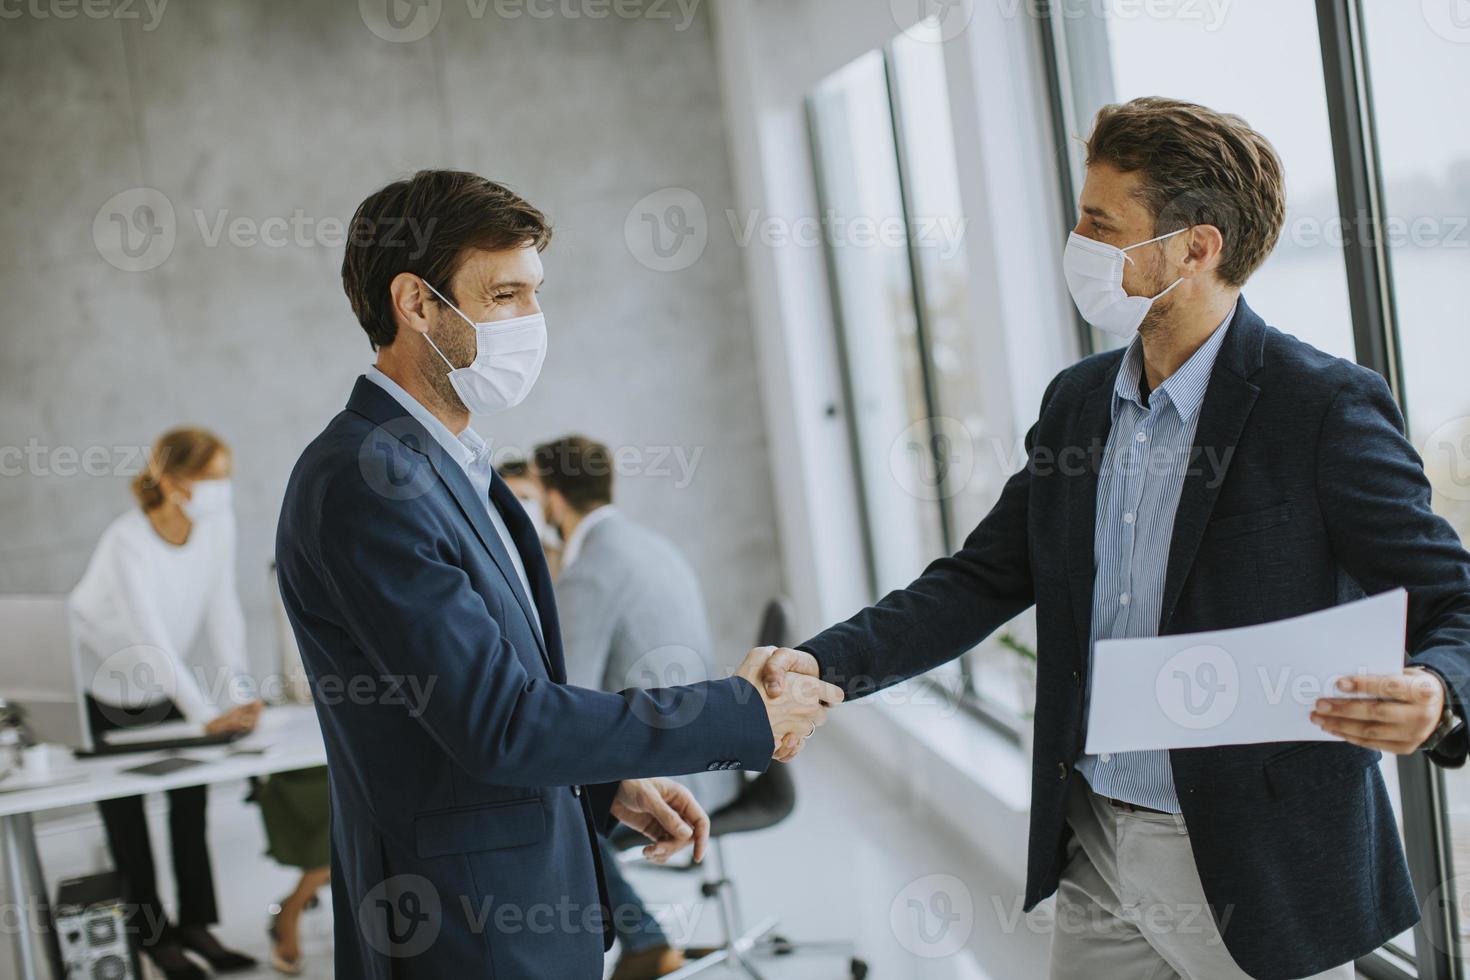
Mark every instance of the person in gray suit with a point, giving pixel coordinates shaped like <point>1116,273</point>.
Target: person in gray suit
<point>632,615</point>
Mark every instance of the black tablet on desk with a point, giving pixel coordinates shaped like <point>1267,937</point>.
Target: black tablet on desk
<point>164,767</point>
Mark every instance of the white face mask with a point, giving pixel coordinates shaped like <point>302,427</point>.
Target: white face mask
<point>1094,273</point>
<point>544,531</point>
<point>209,498</point>
<point>508,359</point>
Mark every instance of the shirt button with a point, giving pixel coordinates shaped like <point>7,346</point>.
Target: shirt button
<point>1077,677</point>
<point>1128,517</point>
<point>1061,770</point>
<point>1141,437</point>
<point>1125,598</point>
<point>576,791</point>
<point>1105,757</point>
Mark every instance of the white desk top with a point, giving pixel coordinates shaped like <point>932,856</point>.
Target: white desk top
<point>289,735</point>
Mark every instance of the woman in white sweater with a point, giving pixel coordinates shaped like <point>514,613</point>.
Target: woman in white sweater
<point>163,575</point>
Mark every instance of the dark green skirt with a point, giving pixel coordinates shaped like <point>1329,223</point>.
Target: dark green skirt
<point>294,807</point>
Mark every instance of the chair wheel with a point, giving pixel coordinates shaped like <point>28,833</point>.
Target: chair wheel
<point>780,946</point>
<point>859,969</point>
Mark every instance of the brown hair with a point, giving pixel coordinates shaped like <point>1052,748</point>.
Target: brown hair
<point>578,468</point>
<point>185,452</point>
<point>1199,167</point>
<point>423,225</point>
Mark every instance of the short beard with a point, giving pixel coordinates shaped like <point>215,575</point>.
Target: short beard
<point>434,368</point>
<point>1156,321</point>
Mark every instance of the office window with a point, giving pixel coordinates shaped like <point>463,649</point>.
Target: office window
<point>1425,174</point>
<point>884,152</point>
<point>873,292</point>
<point>1260,61</point>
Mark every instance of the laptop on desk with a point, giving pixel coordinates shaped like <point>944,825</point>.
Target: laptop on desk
<point>154,738</point>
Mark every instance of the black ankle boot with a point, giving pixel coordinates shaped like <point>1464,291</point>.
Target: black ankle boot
<point>197,940</point>
<point>170,959</point>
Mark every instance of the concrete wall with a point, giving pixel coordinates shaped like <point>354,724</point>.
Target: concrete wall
<point>285,114</point>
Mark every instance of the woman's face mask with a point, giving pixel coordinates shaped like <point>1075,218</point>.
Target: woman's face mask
<point>208,499</point>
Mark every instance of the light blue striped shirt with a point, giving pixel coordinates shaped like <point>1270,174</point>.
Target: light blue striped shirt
<point>1137,496</point>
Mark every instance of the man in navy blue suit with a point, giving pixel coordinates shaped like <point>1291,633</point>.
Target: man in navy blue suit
<point>1213,473</point>
<point>468,780</point>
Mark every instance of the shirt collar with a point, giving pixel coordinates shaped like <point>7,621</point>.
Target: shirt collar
<point>1185,388</point>
<point>465,449</point>
<point>579,537</point>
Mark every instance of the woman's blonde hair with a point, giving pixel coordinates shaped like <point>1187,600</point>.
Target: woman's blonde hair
<point>185,452</point>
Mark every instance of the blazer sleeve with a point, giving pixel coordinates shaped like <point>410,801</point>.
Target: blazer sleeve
<point>412,611</point>
<point>1375,501</point>
<point>957,601</point>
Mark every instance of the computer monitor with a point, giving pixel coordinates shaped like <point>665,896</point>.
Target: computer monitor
<point>40,670</point>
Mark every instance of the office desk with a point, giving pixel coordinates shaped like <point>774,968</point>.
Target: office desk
<point>291,740</point>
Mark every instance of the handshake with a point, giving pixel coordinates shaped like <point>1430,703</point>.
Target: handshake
<point>796,700</point>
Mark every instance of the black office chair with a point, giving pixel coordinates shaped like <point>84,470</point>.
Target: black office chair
<point>765,801</point>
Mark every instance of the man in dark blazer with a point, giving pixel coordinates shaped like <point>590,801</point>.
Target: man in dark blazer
<point>1280,482</point>
<point>468,780</point>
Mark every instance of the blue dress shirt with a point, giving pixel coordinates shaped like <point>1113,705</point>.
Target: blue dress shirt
<point>1137,495</point>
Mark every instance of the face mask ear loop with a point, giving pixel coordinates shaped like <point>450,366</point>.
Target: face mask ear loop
<point>1171,286</point>
<point>472,322</point>
<point>1126,257</point>
<point>447,361</point>
<point>452,307</point>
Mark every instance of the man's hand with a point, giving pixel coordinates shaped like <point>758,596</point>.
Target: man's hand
<point>241,718</point>
<point>1403,710</point>
<point>796,701</point>
<point>666,813</point>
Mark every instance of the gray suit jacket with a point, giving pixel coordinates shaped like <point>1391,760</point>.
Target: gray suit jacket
<point>632,616</point>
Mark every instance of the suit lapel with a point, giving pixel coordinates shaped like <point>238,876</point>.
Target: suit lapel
<point>474,509</point>
<point>381,408</point>
<point>1094,422</point>
<point>1228,401</point>
<point>528,543</point>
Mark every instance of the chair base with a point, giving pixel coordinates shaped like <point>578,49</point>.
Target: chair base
<point>759,943</point>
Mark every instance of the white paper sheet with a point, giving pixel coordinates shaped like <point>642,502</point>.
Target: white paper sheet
<point>1230,687</point>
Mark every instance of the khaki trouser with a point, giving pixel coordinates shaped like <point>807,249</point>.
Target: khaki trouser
<point>1130,904</point>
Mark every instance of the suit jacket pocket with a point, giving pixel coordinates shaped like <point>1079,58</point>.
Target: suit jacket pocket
<point>1313,765</point>
<point>489,827</point>
<point>1235,525</point>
